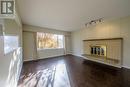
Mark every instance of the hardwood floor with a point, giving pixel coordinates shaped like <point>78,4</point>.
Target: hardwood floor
<point>72,71</point>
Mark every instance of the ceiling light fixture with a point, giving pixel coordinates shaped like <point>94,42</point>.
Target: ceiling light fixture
<point>93,22</point>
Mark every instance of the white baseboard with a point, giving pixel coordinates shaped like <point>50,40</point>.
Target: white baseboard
<point>77,55</point>
<point>29,60</point>
<point>42,58</point>
<point>127,67</point>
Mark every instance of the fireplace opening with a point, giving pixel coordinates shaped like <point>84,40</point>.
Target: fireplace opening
<point>98,50</point>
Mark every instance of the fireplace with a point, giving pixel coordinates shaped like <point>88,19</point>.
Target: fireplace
<point>107,51</point>
<point>98,50</point>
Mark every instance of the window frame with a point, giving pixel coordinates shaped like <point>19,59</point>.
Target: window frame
<point>50,48</point>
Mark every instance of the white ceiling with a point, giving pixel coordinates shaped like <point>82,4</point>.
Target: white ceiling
<point>69,15</point>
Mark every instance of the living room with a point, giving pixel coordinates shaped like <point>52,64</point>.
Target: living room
<point>64,43</point>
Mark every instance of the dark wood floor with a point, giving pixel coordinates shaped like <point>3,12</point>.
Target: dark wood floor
<point>72,71</point>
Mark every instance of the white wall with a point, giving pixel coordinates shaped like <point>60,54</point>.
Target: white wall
<point>68,46</point>
<point>107,29</point>
<point>12,28</point>
<point>1,27</point>
<point>30,49</point>
<point>46,53</point>
<point>40,29</point>
<point>10,63</point>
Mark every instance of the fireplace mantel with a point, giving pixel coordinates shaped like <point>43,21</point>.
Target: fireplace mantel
<point>104,39</point>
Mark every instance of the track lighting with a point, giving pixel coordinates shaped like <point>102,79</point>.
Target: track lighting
<point>93,22</point>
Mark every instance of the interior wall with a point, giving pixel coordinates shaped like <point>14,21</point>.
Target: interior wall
<point>30,48</point>
<point>107,29</point>
<point>29,51</point>
<point>1,30</point>
<point>11,63</point>
<point>68,46</point>
<point>47,53</point>
<point>12,28</point>
<point>40,29</point>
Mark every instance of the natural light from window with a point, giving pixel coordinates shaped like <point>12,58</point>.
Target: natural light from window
<point>49,41</point>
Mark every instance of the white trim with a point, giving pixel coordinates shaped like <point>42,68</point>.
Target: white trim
<point>78,55</point>
<point>127,67</point>
<point>29,60</point>
<point>69,53</point>
<point>42,58</point>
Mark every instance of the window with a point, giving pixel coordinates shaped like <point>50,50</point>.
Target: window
<point>48,40</point>
<point>10,43</point>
